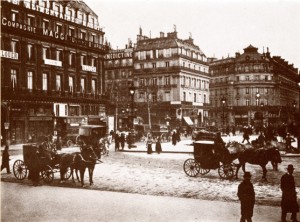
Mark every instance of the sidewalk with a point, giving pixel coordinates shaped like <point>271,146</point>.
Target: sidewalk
<point>69,204</point>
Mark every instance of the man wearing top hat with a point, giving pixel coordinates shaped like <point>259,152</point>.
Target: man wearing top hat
<point>246,195</point>
<point>289,196</point>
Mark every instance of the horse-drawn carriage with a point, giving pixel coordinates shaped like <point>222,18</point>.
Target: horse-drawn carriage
<point>34,157</point>
<point>206,158</point>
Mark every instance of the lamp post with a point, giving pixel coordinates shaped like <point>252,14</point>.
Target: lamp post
<point>223,101</point>
<point>132,133</point>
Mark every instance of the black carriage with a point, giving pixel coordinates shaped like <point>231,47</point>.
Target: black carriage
<point>32,158</point>
<point>206,158</point>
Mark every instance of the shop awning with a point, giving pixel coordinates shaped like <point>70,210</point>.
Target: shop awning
<point>188,120</point>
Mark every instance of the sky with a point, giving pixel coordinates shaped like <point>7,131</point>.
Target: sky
<point>219,27</point>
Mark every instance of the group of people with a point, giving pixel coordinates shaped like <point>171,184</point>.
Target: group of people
<point>151,140</point>
<point>289,204</point>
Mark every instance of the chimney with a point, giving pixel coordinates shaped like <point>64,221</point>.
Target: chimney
<point>161,35</point>
<point>237,54</point>
<point>268,53</point>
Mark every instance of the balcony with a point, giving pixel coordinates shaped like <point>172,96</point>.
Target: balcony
<point>23,94</point>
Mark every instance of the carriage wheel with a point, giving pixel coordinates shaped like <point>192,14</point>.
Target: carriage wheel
<point>70,143</point>
<point>163,138</point>
<point>20,170</point>
<point>47,174</point>
<point>191,168</point>
<point>227,171</point>
<point>203,171</point>
<point>67,175</point>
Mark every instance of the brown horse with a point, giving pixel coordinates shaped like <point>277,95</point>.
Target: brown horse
<point>79,162</point>
<point>258,157</point>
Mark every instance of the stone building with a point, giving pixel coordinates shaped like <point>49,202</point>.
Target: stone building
<point>253,88</point>
<point>171,79</point>
<point>52,55</point>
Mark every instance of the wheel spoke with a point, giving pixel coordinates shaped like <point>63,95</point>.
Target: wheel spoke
<point>19,170</point>
<point>191,168</point>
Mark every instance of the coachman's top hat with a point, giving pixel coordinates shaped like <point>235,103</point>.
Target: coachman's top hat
<point>290,167</point>
<point>247,175</point>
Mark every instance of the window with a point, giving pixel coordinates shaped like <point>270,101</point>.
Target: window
<point>71,32</point>
<point>14,15</point>
<point>58,83</point>
<point>58,28</point>
<point>46,53</point>
<point>83,60</point>
<point>247,90</point>
<point>93,61</point>
<point>184,96</point>
<point>93,86</point>
<point>13,78</point>
<point>30,20</point>
<point>141,66</point>
<point>154,81</point>
<point>167,80</point>
<point>204,98</point>
<point>59,55</point>
<point>154,65</point>
<point>247,78</point>
<point>45,24</point>
<point>168,97</point>
<point>71,84</point>
<point>72,59</point>
<point>82,85</point>
<point>195,97</point>
<point>45,82</point>
<point>13,45</point>
<point>30,80</point>
<point>30,51</point>
<point>83,35</point>
<point>142,82</point>
<point>167,64</point>
<point>247,102</point>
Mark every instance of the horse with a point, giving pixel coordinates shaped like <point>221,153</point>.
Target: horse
<point>259,157</point>
<point>79,161</point>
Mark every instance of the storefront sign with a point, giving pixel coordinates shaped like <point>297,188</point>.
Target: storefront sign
<point>17,25</point>
<point>89,68</point>
<point>40,118</point>
<point>53,62</point>
<point>9,55</point>
<point>118,55</point>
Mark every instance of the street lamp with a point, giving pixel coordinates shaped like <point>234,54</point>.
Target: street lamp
<point>223,101</point>
<point>131,137</point>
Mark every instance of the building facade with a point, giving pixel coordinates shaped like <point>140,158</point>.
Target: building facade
<point>253,88</point>
<point>52,55</point>
<point>171,79</point>
<point>118,78</point>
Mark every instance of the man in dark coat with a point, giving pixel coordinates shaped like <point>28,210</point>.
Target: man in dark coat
<point>5,159</point>
<point>246,195</point>
<point>289,196</point>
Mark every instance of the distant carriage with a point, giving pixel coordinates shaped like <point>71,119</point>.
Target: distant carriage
<point>46,161</point>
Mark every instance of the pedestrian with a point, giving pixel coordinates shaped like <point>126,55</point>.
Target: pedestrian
<point>117,141</point>
<point>158,145</point>
<point>246,135</point>
<point>289,196</point>
<point>109,141</point>
<point>34,169</point>
<point>122,140</point>
<point>174,138</point>
<point>149,144</point>
<point>246,195</point>
<point>288,143</point>
<point>5,159</point>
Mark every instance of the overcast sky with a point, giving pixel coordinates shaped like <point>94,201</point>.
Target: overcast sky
<point>218,27</point>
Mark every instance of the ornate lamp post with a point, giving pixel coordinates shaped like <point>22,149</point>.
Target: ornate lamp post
<point>131,138</point>
<point>223,101</point>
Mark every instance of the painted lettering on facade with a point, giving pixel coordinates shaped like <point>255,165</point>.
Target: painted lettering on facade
<point>118,55</point>
<point>88,68</point>
<point>9,55</point>
<point>17,25</point>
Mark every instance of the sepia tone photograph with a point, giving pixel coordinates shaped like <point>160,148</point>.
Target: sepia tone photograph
<point>150,110</point>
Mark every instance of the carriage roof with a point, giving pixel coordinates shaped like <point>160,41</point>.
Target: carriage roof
<point>205,135</point>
